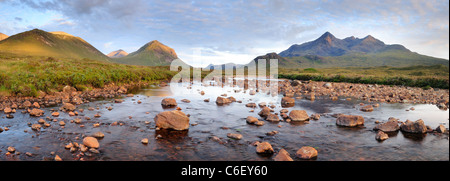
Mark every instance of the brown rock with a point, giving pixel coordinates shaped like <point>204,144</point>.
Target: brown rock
<point>272,118</point>
<point>390,126</point>
<point>169,102</point>
<point>91,142</point>
<point>287,102</point>
<point>176,120</point>
<point>381,136</point>
<point>298,115</point>
<point>222,100</point>
<point>252,105</point>
<point>414,127</point>
<point>265,112</point>
<point>55,114</point>
<point>283,155</point>
<point>7,110</point>
<point>440,129</point>
<point>368,108</point>
<point>67,107</point>
<point>264,148</point>
<point>307,153</point>
<point>349,120</point>
<point>36,112</point>
<point>234,136</point>
<point>251,120</point>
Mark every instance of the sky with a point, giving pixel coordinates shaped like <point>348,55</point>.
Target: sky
<point>236,31</point>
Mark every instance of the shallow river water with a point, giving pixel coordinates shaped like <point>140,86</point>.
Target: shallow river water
<point>123,142</point>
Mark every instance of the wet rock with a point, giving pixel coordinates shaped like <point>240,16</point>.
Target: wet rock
<point>264,148</point>
<point>381,136</point>
<point>62,123</point>
<point>36,127</point>
<point>283,155</point>
<point>328,85</point>
<point>440,129</point>
<point>7,110</point>
<point>349,120</point>
<point>9,116</point>
<point>57,158</point>
<point>36,112</point>
<point>118,100</point>
<point>36,105</point>
<point>206,100</point>
<point>272,118</point>
<point>368,108</point>
<point>144,141</point>
<point>251,120</point>
<point>185,100</point>
<point>234,136</point>
<point>252,105</point>
<point>11,149</point>
<point>98,135</point>
<point>284,111</point>
<point>287,101</point>
<point>262,104</point>
<point>55,114</point>
<point>169,102</point>
<point>391,126</point>
<point>266,111</point>
<point>306,153</point>
<point>414,127</point>
<point>272,133</point>
<point>176,120</point>
<point>315,116</point>
<point>91,142</point>
<point>67,107</point>
<point>222,100</point>
<point>298,115</point>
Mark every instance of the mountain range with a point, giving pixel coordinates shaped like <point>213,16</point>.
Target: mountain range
<point>325,51</point>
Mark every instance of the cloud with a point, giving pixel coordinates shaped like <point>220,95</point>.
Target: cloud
<point>18,19</point>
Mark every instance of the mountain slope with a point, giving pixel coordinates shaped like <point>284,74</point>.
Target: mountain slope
<point>117,54</point>
<point>3,36</point>
<point>153,53</point>
<point>57,44</point>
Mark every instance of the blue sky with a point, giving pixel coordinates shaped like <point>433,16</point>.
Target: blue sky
<point>233,30</point>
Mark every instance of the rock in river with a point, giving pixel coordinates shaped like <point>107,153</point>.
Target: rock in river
<point>440,129</point>
<point>414,127</point>
<point>91,142</point>
<point>264,148</point>
<point>234,136</point>
<point>36,112</point>
<point>390,126</point>
<point>349,120</point>
<point>306,153</point>
<point>283,155</point>
<point>298,115</point>
<point>169,102</point>
<point>381,136</point>
<point>222,100</point>
<point>176,120</point>
<point>368,108</point>
<point>67,107</point>
<point>265,112</point>
<point>287,102</point>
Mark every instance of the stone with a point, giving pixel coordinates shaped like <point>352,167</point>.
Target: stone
<point>390,126</point>
<point>98,135</point>
<point>381,136</point>
<point>265,112</point>
<point>252,105</point>
<point>368,108</point>
<point>144,141</point>
<point>414,127</point>
<point>264,148</point>
<point>298,115</point>
<point>272,118</point>
<point>169,102</point>
<point>36,127</point>
<point>36,105</point>
<point>91,142</point>
<point>55,114</point>
<point>315,116</point>
<point>251,120</point>
<point>222,100</point>
<point>234,136</point>
<point>57,158</point>
<point>440,129</point>
<point>252,92</point>
<point>7,110</point>
<point>306,153</point>
<point>118,100</point>
<point>11,149</point>
<point>328,85</point>
<point>36,112</point>
<point>287,102</point>
<point>67,107</point>
<point>62,123</point>
<point>349,120</point>
<point>283,155</point>
<point>175,120</point>
<point>185,100</point>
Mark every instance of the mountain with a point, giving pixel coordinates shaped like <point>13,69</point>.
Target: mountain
<point>329,51</point>
<point>223,66</point>
<point>55,44</point>
<point>117,54</point>
<point>3,36</point>
<point>153,53</point>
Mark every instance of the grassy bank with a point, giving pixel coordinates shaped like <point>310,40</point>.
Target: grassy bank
<point>436,76</point>
<point>26,76</point>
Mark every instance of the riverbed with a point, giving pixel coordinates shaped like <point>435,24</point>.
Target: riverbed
<point>122,141</point>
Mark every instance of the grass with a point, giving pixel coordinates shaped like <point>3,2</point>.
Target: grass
<point>27,75</point>
<point>436,76</point>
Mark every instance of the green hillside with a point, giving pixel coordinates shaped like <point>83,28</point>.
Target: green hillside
<point>58,44</point>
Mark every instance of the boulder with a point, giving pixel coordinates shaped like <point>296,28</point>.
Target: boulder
<point>169,102</point>
<point>381,136</point>
<point>368,108</point>
<point>287,101</point>
<point>440,129</point>
<point>36,127</point>
<point>222,100</point>
<point>7,110</point>
<point>175,120</point>
<point>265,112</point>
<point>91,142</point>
<point>306,153</point>
<point>251,120</point>
<point>349,120</point>
<point>264,148</point>
<point>272,118</point>
<point>252,105</point>
<point>315,116</point>
<point>234,136</point>
<point>418,127</point>
<point>67,107</point>
<point>298,115</point>
<point>36,112</point>
<point>390,126</point>
<point>283,155</point>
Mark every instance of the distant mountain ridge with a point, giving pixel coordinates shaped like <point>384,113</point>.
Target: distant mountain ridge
<point>153,53</point>
<point>117,54</point>
<point>57,44</point>
<point>328,45</point>
<point>3,36</point>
